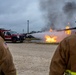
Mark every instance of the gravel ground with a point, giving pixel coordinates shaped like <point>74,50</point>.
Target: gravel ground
<point>31,58</point>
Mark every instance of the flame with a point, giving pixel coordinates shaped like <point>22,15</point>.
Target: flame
<point>68,31</point>
<point>51,30</point>
<point>50,39</point>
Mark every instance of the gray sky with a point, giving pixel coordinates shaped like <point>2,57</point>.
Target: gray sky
<point>15,13</point>
<point>42,14</point>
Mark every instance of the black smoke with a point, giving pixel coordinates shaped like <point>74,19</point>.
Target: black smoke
<point>57,13</point>
<point>70,9</point>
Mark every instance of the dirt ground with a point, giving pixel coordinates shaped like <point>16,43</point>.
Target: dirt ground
<point>32,58</point>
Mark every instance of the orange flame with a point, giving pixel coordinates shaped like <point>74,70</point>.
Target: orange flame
<point>51,30</point>
<point>50,39</point>
<point>68,31</point>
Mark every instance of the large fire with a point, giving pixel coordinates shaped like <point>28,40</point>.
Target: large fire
<point>54,36</point>
<point>51,39</point>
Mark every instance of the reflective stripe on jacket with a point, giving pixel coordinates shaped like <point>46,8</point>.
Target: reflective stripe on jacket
<point>68,72</point>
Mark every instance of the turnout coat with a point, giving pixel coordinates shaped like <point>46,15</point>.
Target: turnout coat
<point>7,66</point>
<point>64,57</point>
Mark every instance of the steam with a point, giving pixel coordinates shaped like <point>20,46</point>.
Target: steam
<point>57,13</point>
<point>60,36</point>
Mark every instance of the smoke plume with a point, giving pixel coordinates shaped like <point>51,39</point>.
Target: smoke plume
<point>70,9</point>
<point>58,13</point>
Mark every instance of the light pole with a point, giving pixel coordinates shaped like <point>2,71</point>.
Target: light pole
<point>27,26</point>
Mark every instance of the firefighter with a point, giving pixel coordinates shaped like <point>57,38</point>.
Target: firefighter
<point>7,66</point>
<point>2,35</point>
<point>64,58</point>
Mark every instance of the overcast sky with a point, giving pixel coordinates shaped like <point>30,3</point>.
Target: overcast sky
<point>42,14</point>
<point>15,13</point>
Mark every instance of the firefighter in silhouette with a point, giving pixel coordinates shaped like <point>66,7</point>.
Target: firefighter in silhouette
<point>7,66</point>
<point>64,58</point>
